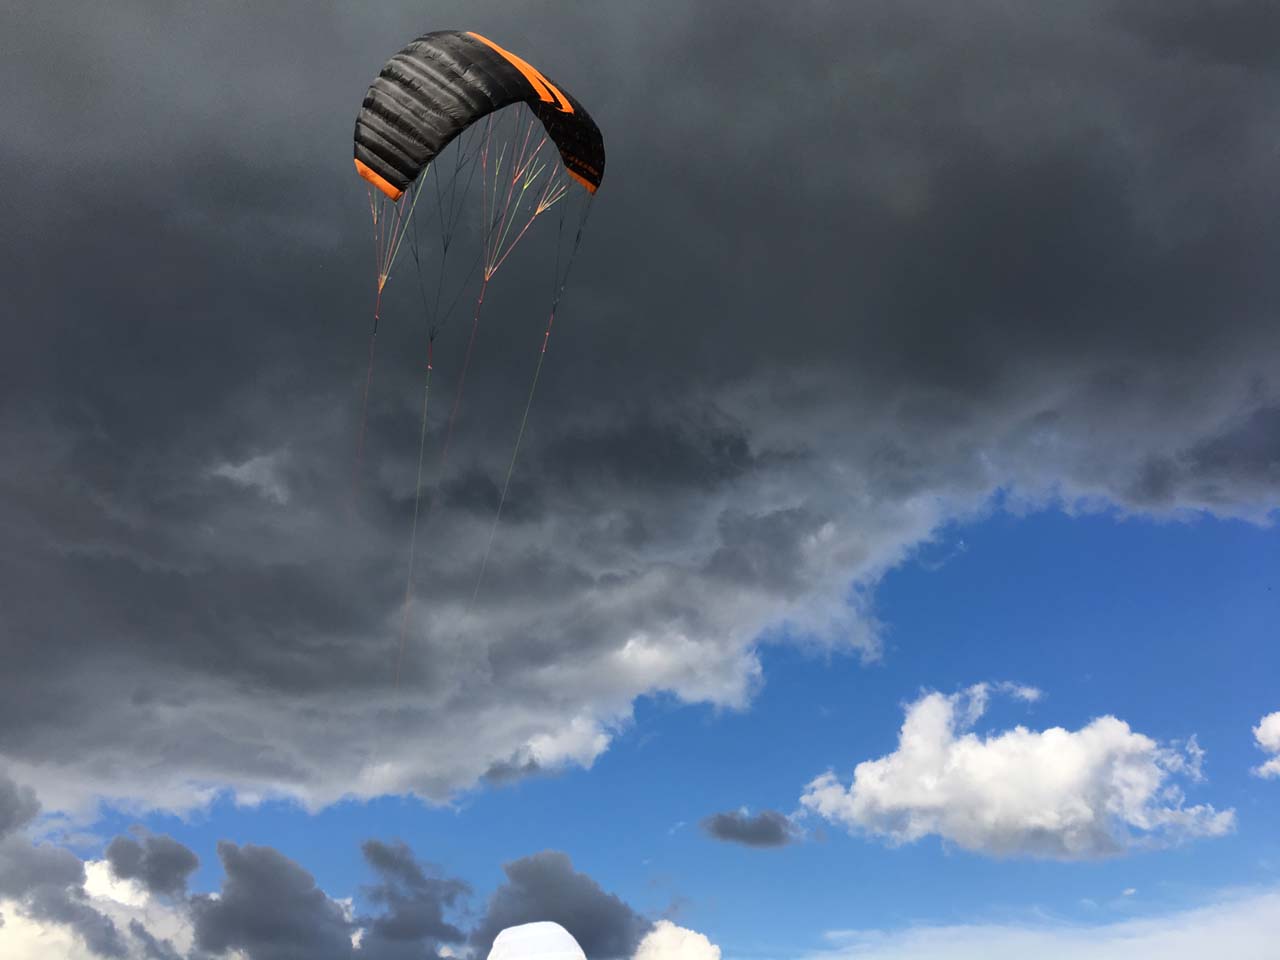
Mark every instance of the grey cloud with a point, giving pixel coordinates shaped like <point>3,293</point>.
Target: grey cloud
<point>18,806</point>
<point>413,904</point>
<point>270,908</point>
<point>763,550</point>
<point>478,492</point>
<point>54,904</point>
<point>644,453</point>
<point>1239,33</point>
<point>546,887</point>
<point>28,866</point>
<point>161,863</point>
<point>509,771</point>
<point>153,948</point>
<point>1244,456</point>
<point>768,828</point>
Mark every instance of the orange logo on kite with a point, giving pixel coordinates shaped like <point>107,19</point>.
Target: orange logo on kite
<point>547,91</point>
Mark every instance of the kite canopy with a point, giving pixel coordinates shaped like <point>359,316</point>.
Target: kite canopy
<point>445,81</point>
<point>536,941</point>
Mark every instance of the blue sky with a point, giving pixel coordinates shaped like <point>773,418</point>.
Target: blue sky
<point>1147,620</point>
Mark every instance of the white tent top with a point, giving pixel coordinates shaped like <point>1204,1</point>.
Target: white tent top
<point>536,941</point>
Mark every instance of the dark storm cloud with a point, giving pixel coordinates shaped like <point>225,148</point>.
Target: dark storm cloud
<point>412,902</point>
<point>479,493</point>
<point>269,907</point>
<point>161,863</point>
<point>852,268</point>
<point>768,828</point>
<point>653,455</point>
<point>1244,455</point>
<point>546,887</point>
<point>1229,32</point>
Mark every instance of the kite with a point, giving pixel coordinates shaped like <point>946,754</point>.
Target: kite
<point>442,83</point>
<point>450,114</point>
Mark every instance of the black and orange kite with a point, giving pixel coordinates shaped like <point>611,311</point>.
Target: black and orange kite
<point>431,94</point>
<point>445,81</point>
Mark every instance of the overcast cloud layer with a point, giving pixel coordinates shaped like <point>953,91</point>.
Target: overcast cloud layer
<point>853,269</point>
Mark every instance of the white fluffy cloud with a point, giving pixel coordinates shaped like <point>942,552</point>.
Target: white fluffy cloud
<point>1267,735</point>
<point>1243,928</point>
<point>22,938</point>
<point>666,941</point>
<point>1053,793</point>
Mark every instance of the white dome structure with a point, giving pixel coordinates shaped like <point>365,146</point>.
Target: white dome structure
<point>543,940</point>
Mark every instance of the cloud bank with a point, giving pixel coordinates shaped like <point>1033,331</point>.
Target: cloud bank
<point>806,328</point>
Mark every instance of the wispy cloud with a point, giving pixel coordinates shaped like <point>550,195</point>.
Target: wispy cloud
<point>1245,926</point>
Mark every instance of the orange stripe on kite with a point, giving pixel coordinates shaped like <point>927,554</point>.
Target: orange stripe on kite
<point>591,187</point>
<point>544,88</point>
<point>365,171</point>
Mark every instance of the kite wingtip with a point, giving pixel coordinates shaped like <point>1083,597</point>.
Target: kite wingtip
<point>368,173</point>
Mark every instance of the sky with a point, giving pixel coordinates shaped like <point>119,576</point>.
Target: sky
<point>888,568</point>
